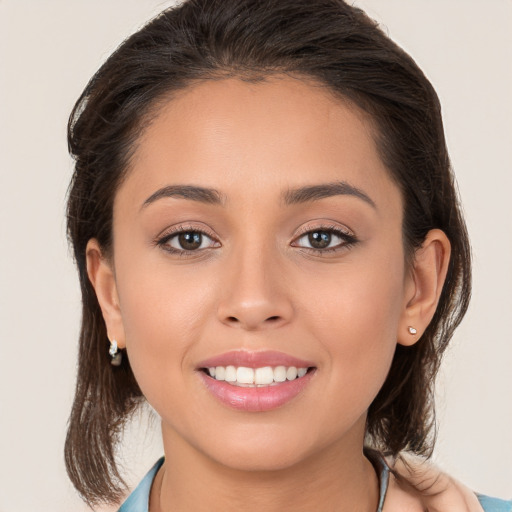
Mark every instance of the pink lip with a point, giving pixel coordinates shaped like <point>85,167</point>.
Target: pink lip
<point>260,399</point>
<point>255,359</point>
<point>255,399</point>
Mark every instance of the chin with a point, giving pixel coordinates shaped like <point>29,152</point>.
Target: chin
<point>263,448</point>
<point>258,458</point>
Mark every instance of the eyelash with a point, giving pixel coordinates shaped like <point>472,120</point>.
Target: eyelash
<point>348,240</point>
<point>163,240</point>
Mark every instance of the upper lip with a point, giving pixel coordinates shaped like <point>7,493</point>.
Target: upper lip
<point>254,359</point>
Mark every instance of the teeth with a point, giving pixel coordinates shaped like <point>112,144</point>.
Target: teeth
<point>291,373</point>
<point>280,374</point>
<point>230,374</point>
<point>265,376</point>
<point>245,375</point>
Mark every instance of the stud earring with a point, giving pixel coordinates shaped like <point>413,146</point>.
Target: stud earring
<point>412,330</point>
<point>116,356</point>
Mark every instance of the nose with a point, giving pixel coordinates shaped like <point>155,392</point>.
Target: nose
<point>255,292</point>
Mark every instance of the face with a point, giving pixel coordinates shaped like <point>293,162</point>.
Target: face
<point>258,229</point>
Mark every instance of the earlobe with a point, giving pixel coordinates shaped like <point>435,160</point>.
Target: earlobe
<point>101,275</point>
<point>424,286</point>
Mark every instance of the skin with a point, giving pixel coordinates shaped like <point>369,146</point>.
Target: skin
<point>433,491</point>
<point>256,284</point>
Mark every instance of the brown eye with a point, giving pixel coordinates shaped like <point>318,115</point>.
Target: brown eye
<point>319,239</point>
<point>190,240</point>
<point>325,240</point>
<point>187,241</point>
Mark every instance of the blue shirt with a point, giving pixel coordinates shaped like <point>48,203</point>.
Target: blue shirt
<point>138,501</point>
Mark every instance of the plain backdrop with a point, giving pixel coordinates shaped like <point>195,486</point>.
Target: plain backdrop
<point>48,51</point>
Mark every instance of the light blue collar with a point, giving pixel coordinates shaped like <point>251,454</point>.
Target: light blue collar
<point>138,501</point>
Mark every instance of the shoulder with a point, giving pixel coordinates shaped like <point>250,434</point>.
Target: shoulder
<point>494,504</point>
<point>138,500</point>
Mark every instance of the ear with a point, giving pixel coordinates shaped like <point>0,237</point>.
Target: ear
<point>423,286</point>
<point>102,277</point>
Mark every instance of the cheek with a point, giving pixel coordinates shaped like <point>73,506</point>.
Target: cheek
<point>163,318</point>
<point>356,321</point>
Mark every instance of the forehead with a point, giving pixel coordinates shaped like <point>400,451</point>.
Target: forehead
<point>256,138</point>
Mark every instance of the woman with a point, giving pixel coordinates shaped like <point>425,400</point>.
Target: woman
<point>267,233</point>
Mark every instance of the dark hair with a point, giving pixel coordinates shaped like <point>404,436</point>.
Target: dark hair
<point>328,41</point>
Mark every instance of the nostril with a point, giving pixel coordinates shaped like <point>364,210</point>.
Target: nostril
<point>269,319</point>
<point>251,320</point>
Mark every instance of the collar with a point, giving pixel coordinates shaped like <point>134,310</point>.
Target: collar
<point>138,501</point>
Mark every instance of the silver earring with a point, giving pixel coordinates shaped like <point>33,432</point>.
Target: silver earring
<point>116,356</point>
<point>412,330</point>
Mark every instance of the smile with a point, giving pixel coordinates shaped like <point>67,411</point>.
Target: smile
<point>255,381</point>
<point>256,377</point>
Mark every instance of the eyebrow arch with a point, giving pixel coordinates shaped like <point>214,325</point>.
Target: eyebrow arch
<point>191,192</point>
<point>321,191</point>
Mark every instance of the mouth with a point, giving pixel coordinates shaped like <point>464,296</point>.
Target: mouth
<point>255,381</point>
<point>264,376</point>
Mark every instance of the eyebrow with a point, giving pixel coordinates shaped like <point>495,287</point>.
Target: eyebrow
<point>191,192</point>
<point>324,190</point>
<point>291,197</point>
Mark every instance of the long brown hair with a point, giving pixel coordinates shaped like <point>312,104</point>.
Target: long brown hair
<point>328,41</point>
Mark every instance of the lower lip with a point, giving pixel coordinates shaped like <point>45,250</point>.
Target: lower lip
<point>258,399</point>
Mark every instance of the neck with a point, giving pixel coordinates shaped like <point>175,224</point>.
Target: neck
<point>337,479</point>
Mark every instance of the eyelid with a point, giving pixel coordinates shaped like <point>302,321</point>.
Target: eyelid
<point>348,238</point>
<point>347,235</point>
<point>308,228</point>
<point>169,233</point>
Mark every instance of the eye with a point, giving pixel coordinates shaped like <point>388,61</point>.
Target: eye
<point>184,240</point>
<point>323,240</point>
